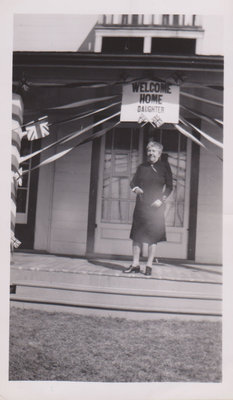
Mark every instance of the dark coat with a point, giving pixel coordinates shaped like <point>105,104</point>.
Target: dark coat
<point>148,222</point>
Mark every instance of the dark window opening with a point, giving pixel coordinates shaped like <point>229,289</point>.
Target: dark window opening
<point>165,19</point>
<point>134,19</point>
<point>175,19</point>
<point>113,45</point>
<point>125,19</point>
<point>173,46</point>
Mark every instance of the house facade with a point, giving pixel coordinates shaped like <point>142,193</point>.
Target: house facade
<point>75,198</point>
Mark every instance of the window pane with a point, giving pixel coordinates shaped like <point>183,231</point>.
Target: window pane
<point>174,213</point>
<point>170,212</point>
<point>121,164</point>
<point>135,140</point>
<point>122,139</point>
<point>25,181</point>
<point>119,211</point>
<point>131,210</point>
<point>134,161</point>
<point>105,210</point>
<point>108,140</point>
<point>106,187</point>
<point>120,188</point>
<point>107,164</point>
<point>21,200</point>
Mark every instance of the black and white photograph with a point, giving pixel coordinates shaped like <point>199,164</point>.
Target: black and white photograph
<point>116,201</point>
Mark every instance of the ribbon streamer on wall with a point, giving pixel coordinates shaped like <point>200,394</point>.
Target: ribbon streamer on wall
<point>66,151</point>
<point>195,97</point>
<point>201,115</point>
<point>65,139</point>
<point>76,117</point>
<point>205,135</point>
<point>82,103</point>
<point>188,135</point>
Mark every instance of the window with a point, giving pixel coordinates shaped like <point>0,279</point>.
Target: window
<point>176,19</point>
<point>124,19</point>
<point>175,151</point>
<point>120,162</point>
<point>121,45</point>
<point>165,19</point>
<point>135,19</point>
<point>173,46</point>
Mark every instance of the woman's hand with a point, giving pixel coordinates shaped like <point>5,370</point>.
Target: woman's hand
<point>157,203</point>
<point>138,190</point>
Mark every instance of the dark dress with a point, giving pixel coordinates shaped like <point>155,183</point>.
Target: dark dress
<point>148,222</point>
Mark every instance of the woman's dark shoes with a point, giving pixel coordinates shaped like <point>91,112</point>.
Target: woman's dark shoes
<point>148,271</point>
<point>132,269</point>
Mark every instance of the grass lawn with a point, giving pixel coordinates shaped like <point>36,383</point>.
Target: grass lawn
<point>70,347</point>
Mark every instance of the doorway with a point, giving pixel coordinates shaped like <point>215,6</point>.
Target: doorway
<point>122,150</point>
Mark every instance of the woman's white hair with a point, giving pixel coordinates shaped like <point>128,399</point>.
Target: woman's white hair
<point>152,143</point>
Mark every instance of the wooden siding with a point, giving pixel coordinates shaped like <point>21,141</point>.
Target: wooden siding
<point>209,216</point>
<point>62,213</point>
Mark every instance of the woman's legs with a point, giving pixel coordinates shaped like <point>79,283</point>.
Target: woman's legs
<point>151,254</point>
<point>136,256</point>
<point>136,253</point>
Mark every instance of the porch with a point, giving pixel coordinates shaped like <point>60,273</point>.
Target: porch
<point>99,286</point>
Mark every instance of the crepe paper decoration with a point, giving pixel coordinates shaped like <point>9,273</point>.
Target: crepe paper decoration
<point>189,135</point>
<point>85,114</point>
<point>192,96</point>
<point>219,121</point>
<point>200,115</point>
<point>74,135</point>
<point>82,103</point>
<point>65,139</point>
<point>89,84</point>
<point>70,119</point>
<point>205,135</point>
<point>216,88</point>
<point>99,133</point>
<point>62,153</point>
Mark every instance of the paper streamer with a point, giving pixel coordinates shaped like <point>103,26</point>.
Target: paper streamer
<point>192,96</point>
<point>62,153</point>
<point>205,135</point>
<point>67,138</point>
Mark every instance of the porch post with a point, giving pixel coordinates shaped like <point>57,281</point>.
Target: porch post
<point>17,134</point>
<point>147,44</point>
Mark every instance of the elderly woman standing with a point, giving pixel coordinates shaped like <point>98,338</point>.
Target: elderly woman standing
<point>152,184</point>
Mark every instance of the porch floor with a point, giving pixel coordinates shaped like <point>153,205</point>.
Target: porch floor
<point>172,271</point>
<point>59,283</point>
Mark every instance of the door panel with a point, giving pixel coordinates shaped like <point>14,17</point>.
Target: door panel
<point>121,153</point>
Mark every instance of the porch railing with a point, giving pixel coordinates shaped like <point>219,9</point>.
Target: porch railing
<point>143,20</point>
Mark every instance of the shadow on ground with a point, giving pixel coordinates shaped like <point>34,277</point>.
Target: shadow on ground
<point>109,265</point>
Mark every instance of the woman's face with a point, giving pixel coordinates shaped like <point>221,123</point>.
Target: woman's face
<point>153,154</point>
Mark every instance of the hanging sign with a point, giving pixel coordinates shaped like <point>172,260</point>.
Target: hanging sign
<point>150,101</point>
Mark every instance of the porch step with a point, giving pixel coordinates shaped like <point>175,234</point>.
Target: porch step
<point>117,280</point>
<point>117,292</point>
